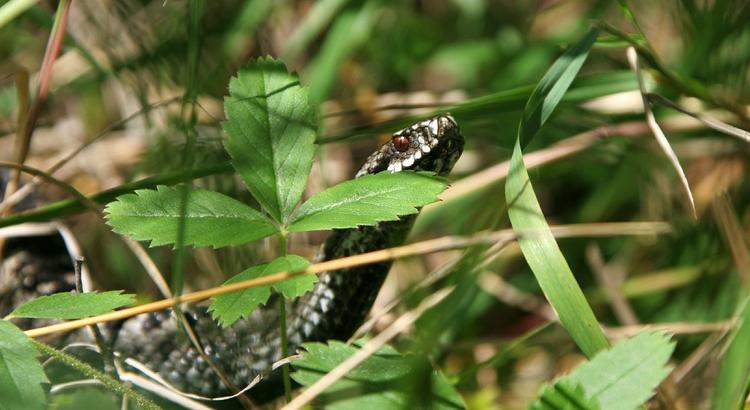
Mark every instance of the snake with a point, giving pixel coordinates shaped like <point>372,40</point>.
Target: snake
<point>336,306</point>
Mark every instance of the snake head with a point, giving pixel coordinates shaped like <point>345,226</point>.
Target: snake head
<point>431,145</point>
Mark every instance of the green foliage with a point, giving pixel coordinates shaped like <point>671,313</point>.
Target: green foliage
<point>73,305</point>
<point>270,130</point>
<point>733,379</point>
<point>380,382</point>
<point>564,395</point>
<point>229,308</point>
<point>211,218</point>
<point>379,66</point>
<point>367,200</point>
<point>21,374</point>
<point>539,246</point>
<point>620,378</point>
<point>86,397</point>
<point>271,134</point>
<point>321,14</point>
<point>350,29</point>
<point>552,87</point>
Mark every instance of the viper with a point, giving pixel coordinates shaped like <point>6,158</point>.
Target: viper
<point>333,309</point>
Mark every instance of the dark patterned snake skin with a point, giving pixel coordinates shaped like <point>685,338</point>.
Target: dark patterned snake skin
<point>334,309</point>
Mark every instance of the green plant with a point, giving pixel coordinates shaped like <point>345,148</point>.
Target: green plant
<point>540,153</point>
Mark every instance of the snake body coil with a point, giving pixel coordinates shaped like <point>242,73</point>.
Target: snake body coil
<point>334,309</point>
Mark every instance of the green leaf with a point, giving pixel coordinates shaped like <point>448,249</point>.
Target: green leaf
<point>620,378</point>
<point>211,218</point>
<point>230,307</point>
<point>625,376</point>
<point>733,378</point>
<point>271,131</point>
<point>368,200</point>
<point>21,374</point>
<point>538,245</point>
<point>71,305</point>
<point>552,87</point>
<point>294,287</point>
<point>564,395</point>
<point>380,382</point>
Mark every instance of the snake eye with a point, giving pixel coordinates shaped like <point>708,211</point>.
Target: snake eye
<point>401,143</point>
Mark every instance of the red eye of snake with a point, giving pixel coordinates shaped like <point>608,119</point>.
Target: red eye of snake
<point>401,143</point>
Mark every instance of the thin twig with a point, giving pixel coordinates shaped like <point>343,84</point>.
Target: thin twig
<point>19,195</point>
<point>54,44</point>
<point>611,284</point>
<point>160,380</point>
<point>156,276</point>
<point>87,370</point>
<point>733,235</point>
<point>83,199</point>
<point>418,248</point>
<point>486,259</point>
<point>149,266</point>
<point>709,121</point>
<point>697,355</point>
<point>162,391</point>
<point>683,328</point>
<point>493,284</point>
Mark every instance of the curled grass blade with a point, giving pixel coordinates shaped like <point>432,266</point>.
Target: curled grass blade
<point>661,139</point>
<point>13,9</point>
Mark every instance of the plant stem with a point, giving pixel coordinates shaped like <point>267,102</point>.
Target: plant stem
<point>89,371</point>
<point>282,326</point>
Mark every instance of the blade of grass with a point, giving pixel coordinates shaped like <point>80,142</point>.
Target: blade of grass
<point>350,30</point>
<point>508,101</point>
<point>734,372</point>
<point>541,251</point>
<point>25,132</point>
<point>27,188</point>
<point>319,16</point>
<point>13,9</point>
<point>252,15</point>
<point>661,139</point>
<point>705,119</point>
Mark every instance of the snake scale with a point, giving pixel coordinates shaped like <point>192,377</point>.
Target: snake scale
<point>336,306</point>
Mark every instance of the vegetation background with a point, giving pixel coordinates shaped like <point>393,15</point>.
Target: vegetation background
<point>141,83</point>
